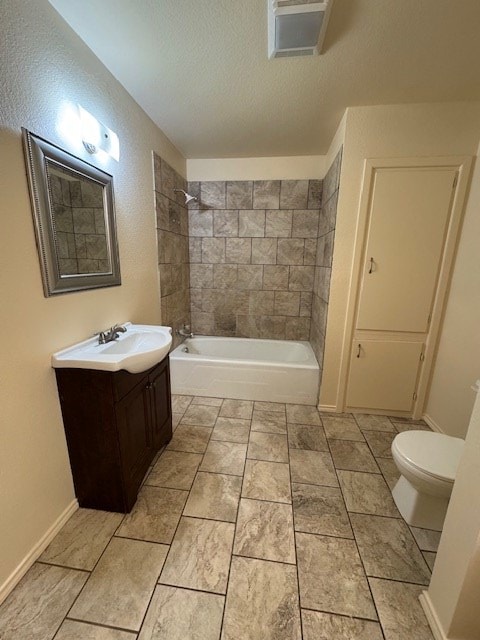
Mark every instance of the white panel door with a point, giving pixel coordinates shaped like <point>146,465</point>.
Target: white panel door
<point>383,374</point>
<point>409,212</point>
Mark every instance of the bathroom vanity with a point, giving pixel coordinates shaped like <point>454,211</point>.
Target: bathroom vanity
<point>115,422</point>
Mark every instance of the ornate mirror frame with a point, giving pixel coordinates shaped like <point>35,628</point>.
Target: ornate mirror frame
<point>44,161</point>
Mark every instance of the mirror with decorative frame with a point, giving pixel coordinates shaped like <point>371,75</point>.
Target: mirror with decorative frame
<point>74,217</point>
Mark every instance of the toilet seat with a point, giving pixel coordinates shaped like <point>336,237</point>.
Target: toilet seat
<point>434,454</point>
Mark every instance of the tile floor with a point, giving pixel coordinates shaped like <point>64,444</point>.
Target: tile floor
<point>259,521</point>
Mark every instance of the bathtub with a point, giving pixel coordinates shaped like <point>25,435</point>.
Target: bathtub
<point>246,369</point>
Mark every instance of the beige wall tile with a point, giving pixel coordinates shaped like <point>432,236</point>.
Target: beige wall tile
<point>250,276</point>
<point>278,223</point>
<point>251,224</point>
<point>264,251</point>
<point>225,276</point>
<point>301,278</point>
<point>287,303</point>
<point>290,251</point>
<point>225,223</point>
<point>238,250</point>
<point>213,250</point>
<point>275,277</point>
<point>266,194</point>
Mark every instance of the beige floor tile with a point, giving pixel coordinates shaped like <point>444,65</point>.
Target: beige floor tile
<point>312,467</point>
<point>224,457</point>
<point>410,426</point>
<point>237,409</point>
<point>82,539</point>
<point>388,549</point>
<point>155,515</point>
<point>267,481</point>
<point>389,470</point>
<point>209,402</point>
<point>119,589</point>
<point>303,414</point>
<point>262,602</point>
<point>214,496</point>
<point>231,430</point>
<point>190,439</point>
<point>180,614</point>
<point>308,437</point>
<point>380,442</point>
<point>367,493</point>
<point>180,403</point>
<point>176,417</point>
<point>270,406</point>
<point>326,626</point>
<point>199,556</point>
<point>342,429</point>
<point>374,423</point>
<point>320,510</point>
<point>331,577</point>
<point>430,558</point>
<point>74,630</point>
<point>37,605</point>
<point>269,421</point>
<point>265,531</point>
<point>174,470</point>
<point>399,610</point>
<point>200,415</point>
<point>427,539</point>
<point>353,456</point>
<point>271,447</point>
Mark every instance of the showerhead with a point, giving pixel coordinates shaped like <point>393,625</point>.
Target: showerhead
<point>188,197</point>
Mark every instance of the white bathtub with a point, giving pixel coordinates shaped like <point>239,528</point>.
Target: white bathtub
<point>246,369</point>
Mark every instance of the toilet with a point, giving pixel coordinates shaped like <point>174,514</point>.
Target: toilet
<point>428,463</point>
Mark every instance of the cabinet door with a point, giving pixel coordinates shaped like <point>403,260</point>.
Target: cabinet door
<point>409,213</point>
<point>161,404</point>
<point>383,374</point>
<point>135,439</point>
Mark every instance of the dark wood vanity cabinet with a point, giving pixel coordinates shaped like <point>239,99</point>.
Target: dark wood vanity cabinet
<point>115,422</point>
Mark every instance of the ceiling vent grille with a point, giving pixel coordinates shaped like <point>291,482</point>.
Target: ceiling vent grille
<point>296,27</point>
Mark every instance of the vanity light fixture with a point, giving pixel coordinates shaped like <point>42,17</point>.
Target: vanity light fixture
<point>96,136</point>
<point>297,27</point>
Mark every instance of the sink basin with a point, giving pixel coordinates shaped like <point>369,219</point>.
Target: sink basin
<point>141,347</point>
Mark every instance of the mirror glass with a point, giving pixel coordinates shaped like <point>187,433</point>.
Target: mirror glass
<point>74,219</point>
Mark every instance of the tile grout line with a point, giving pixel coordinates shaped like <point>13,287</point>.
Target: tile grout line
<point>358,550</point>
<point>295,541</point>
<point>234,536</point>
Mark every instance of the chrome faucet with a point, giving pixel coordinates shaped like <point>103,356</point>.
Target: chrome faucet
<point>184,331</point>
<point>110,334</point>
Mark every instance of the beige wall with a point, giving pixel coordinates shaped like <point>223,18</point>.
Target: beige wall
<point>457,365</point>
<point>279,168</point>
<point>386,131</point>
<point>45,68</point>
<point>452,598</point>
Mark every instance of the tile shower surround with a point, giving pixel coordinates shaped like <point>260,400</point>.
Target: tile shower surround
<point>253,247</point>
<point>172,243</point>
<point>323,262</point>
<point>259,521</point>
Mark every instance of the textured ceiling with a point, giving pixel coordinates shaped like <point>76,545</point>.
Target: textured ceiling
<point>200,68</point>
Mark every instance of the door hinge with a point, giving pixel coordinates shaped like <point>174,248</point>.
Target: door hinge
<point>414,395</point>
<point>422,357</point>
<point>455,180</point>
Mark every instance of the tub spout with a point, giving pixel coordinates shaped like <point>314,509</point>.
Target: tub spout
<point>184,331</point>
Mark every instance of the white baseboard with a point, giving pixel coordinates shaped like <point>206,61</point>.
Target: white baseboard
<point>432,424</point>
<point>18,573</point>
<point>327,407</point>
<point>431,616</point>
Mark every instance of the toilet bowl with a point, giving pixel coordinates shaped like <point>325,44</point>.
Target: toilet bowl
<point>427,463</point>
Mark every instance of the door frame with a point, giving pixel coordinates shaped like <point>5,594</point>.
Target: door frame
<point>462,165</point>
